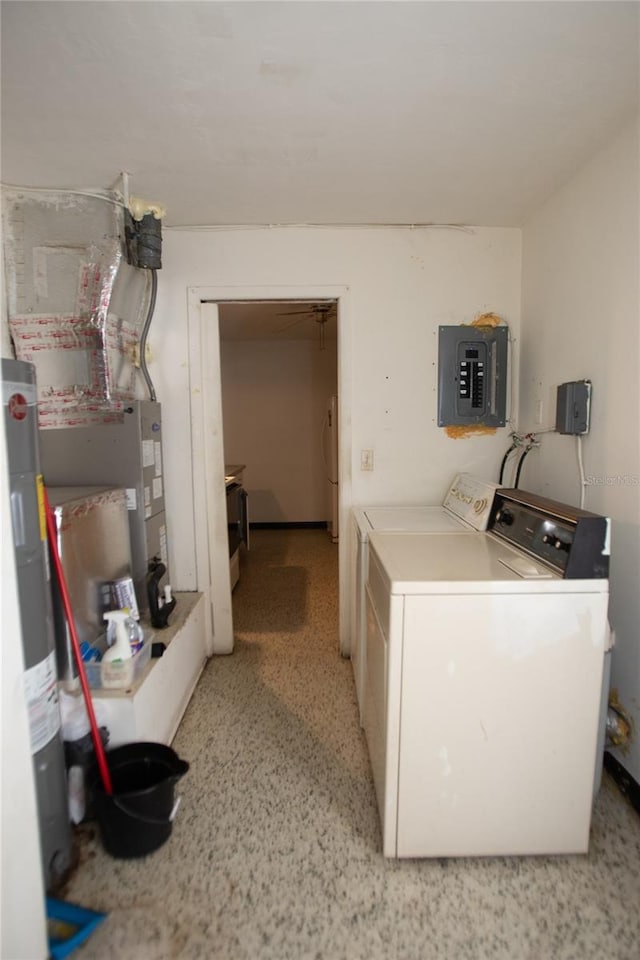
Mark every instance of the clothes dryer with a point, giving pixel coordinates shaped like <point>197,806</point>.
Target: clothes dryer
<point>465,509</point>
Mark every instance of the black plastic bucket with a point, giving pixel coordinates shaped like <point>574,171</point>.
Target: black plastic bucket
<point>137,817</point>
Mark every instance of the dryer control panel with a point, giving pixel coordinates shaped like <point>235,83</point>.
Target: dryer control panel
<point>573,542</point>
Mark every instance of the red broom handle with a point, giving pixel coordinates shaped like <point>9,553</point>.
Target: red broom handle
<point>66,602</point>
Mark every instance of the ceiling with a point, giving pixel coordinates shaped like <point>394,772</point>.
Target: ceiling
<point>316,112</point>
<point>279,320</point>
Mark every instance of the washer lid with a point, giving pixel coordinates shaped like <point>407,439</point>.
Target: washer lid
<point>475,563</point>
<point>466,508</point>
<point>414,520</point>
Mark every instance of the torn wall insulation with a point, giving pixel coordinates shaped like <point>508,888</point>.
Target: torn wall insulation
<point>75,306</point>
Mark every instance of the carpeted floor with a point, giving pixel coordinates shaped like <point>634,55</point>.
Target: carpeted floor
<point>274,853</point>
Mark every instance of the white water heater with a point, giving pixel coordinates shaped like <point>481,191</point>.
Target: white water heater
<point>34,598</point>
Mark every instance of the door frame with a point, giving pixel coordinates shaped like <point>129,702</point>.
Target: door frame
<point>207,445</point>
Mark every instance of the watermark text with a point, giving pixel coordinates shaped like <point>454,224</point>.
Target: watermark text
<point>612,480</point>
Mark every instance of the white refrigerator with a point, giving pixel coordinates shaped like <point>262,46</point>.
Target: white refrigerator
<point>330,457</point>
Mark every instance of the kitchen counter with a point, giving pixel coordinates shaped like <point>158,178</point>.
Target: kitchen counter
<point>233,473</point>
<point>237,516</point>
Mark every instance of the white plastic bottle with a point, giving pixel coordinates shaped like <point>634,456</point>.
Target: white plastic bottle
<point>76,790</point>
<point>116,668</point>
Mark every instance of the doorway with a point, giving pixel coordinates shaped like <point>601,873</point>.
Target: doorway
<point>207,306</point>
<point>278,363</point>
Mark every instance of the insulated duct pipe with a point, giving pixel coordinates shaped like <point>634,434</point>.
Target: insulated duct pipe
<point>145,331</point>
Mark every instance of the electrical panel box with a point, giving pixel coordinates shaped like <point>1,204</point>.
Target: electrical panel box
<point>573,407</point>
<point>472,375</point>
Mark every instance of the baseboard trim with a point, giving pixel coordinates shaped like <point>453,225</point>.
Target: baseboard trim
<point>627,784</point>
<point>280,525</point>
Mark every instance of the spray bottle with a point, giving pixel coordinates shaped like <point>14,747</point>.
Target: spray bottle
<point>116,668</point>
<point>135,634</point>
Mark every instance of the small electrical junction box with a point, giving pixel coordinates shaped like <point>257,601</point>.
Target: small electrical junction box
<point>573,407</point>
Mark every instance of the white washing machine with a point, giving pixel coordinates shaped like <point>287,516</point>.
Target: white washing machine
<point>465,509</point>
<point>482,691</point>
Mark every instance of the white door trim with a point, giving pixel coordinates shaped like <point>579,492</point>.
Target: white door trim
<point>212,558</point>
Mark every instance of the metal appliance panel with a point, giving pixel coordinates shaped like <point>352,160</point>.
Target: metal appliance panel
<point>127,454</point>
<point>156,538</point>
<point>93,542</point>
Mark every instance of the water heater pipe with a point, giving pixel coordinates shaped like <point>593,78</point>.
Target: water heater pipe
<point>618,727</point>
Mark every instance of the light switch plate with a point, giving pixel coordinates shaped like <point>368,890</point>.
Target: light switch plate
<point>366,459</point>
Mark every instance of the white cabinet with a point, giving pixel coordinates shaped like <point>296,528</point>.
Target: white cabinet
<point>381,697</point>
<point>481,712</point>
<point>499,714</point>
<point>357,615</point>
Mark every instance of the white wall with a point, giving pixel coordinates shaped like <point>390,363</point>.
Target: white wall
<point>401,284</point>
<point>581,319</point>
<point>274,400</point>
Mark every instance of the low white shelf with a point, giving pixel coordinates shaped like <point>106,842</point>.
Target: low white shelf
<point>152,708</point>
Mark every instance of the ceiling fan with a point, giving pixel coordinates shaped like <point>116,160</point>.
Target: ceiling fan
<point>320,312</point>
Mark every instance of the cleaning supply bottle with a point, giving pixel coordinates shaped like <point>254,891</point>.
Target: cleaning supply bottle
<point>135,634</point>
<point>116,668</point>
